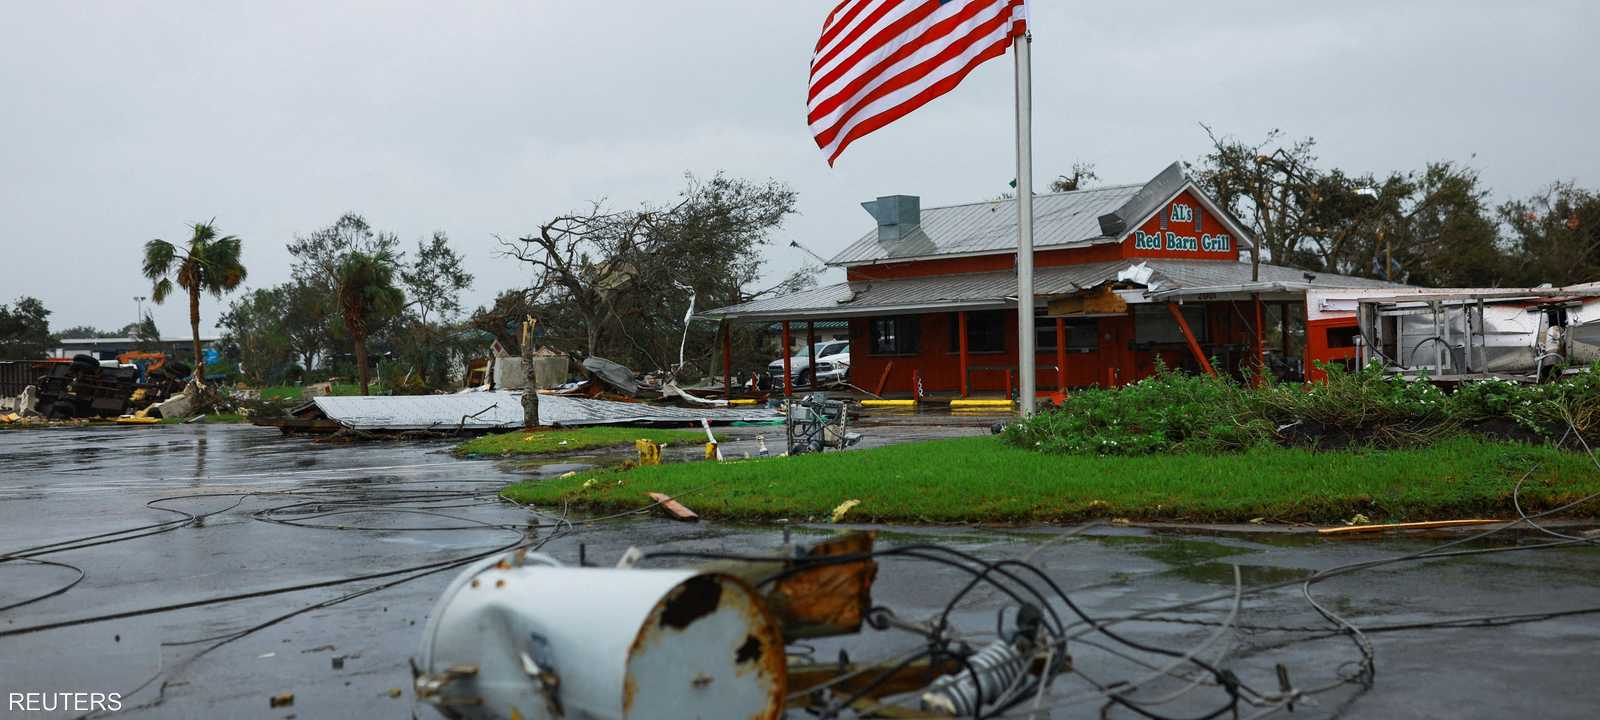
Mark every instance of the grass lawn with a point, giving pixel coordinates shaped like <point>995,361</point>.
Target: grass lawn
<point>558,441</point>
<point>982,479</point>
<point>211,418</point>
<point>296,392</point>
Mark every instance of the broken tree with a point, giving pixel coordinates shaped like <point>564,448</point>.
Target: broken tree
<point>530,389</point>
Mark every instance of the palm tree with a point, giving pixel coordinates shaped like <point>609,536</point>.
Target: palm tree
<point>209,263</point>
<point>364,286</point>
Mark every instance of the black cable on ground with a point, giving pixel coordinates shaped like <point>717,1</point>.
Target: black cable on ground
<point>73,583</point>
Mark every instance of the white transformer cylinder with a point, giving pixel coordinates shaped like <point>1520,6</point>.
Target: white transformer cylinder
<point>538,640</point>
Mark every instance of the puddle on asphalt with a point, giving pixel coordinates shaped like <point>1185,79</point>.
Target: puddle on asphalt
<point>1219,573</point>
<point>1530,571</point>
<point>1202,561</point>
<point>1172,550</point>
<point>557,469</point>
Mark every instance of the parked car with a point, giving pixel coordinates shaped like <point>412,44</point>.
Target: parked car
<point>833,365</point>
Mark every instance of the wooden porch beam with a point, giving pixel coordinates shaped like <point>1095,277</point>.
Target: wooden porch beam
<point>1061,355</point>
<point>811,350</point>
<point>1261,342</point>
<point>1194,345</point>
<point>727,360</point>
<point>961,329</point>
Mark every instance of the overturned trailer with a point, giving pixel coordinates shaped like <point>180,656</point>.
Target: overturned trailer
<point>1522,334</point>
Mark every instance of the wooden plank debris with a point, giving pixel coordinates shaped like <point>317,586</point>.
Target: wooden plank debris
<point>675,508</point>
<point>1425,525</point>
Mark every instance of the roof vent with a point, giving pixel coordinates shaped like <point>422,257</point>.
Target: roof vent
<point>897,215</point>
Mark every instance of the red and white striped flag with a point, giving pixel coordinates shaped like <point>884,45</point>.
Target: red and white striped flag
<point>878,60</point>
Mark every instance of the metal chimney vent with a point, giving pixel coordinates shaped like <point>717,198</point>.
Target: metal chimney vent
<point>897,215</point>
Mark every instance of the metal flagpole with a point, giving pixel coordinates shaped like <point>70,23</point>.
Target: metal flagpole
<point>1025,310</point>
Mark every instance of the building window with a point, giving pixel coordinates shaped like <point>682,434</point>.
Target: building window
<point>1082,334</point>
<point>894,335</point>
<point>986,331</point>
<point>1153,324</point>
<point>1343,337</point>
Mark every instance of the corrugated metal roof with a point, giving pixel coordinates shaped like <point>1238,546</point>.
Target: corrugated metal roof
<point>990,289</point>
<point>495,410</point>
<point>1202,273</point>
<point>995,289</point>
<point>1058,219</point>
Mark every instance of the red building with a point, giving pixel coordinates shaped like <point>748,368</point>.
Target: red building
<point>1124,275</point>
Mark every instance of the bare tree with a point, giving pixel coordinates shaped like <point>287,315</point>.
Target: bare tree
<point>617,282</point>
<point>1082,174</point>
<point>587,257</point>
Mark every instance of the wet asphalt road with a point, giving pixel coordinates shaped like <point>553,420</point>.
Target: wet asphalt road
<point>376,508</point>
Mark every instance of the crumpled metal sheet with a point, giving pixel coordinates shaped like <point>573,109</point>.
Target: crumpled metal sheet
<point>492,410</point>
<point>612,374</point>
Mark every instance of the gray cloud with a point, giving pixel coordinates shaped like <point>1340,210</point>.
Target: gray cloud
<point>125,121</point>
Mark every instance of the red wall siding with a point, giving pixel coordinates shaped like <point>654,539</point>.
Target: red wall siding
<point>1113,363</point>
<point>941,369</point>
<point>1317,350</point>
<point>943,266</point>
<point>1185,220</point>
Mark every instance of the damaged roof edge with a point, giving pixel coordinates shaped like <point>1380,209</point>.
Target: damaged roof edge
<point>1235,288</point>
<point>864,311</point>
<point>1151,196</point>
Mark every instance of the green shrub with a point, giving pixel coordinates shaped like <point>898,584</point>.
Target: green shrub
<point>1179,412</point>
<point>1167,412</point>
<point>1383,409</point>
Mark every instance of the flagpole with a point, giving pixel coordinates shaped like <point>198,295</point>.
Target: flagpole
<point>1025,310</point>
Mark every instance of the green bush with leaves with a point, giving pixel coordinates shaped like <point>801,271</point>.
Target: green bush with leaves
<point>1178,412</point>
<point>1168,412</point>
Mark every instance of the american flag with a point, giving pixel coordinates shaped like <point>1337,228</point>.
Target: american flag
<point>878,60</point>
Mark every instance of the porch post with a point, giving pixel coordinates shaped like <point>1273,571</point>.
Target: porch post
<point>811,350</point>
<point>788,349</point>
<point>1194,345</point>
<point>1283,319</point>
<point>961,330</point>
<point>1261,342</point>
<point>1061,355</point>
<point>727,360</point>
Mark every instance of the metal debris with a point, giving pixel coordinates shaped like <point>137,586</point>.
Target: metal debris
<point>481,411</point>
<point>1513,334</point>
<point>544,641</point>
<point>615,376</point>
<point>814,423</point>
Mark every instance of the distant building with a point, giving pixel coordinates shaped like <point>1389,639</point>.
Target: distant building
<point>181,348</point>
<point>1125,276</point>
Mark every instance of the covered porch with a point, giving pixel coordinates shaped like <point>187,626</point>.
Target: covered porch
<point>1107,331</point>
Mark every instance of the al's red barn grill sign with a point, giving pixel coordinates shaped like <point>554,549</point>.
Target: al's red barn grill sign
<point>1182,230</point>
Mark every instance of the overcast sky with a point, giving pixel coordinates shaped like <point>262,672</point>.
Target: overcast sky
<point>127,120</point>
